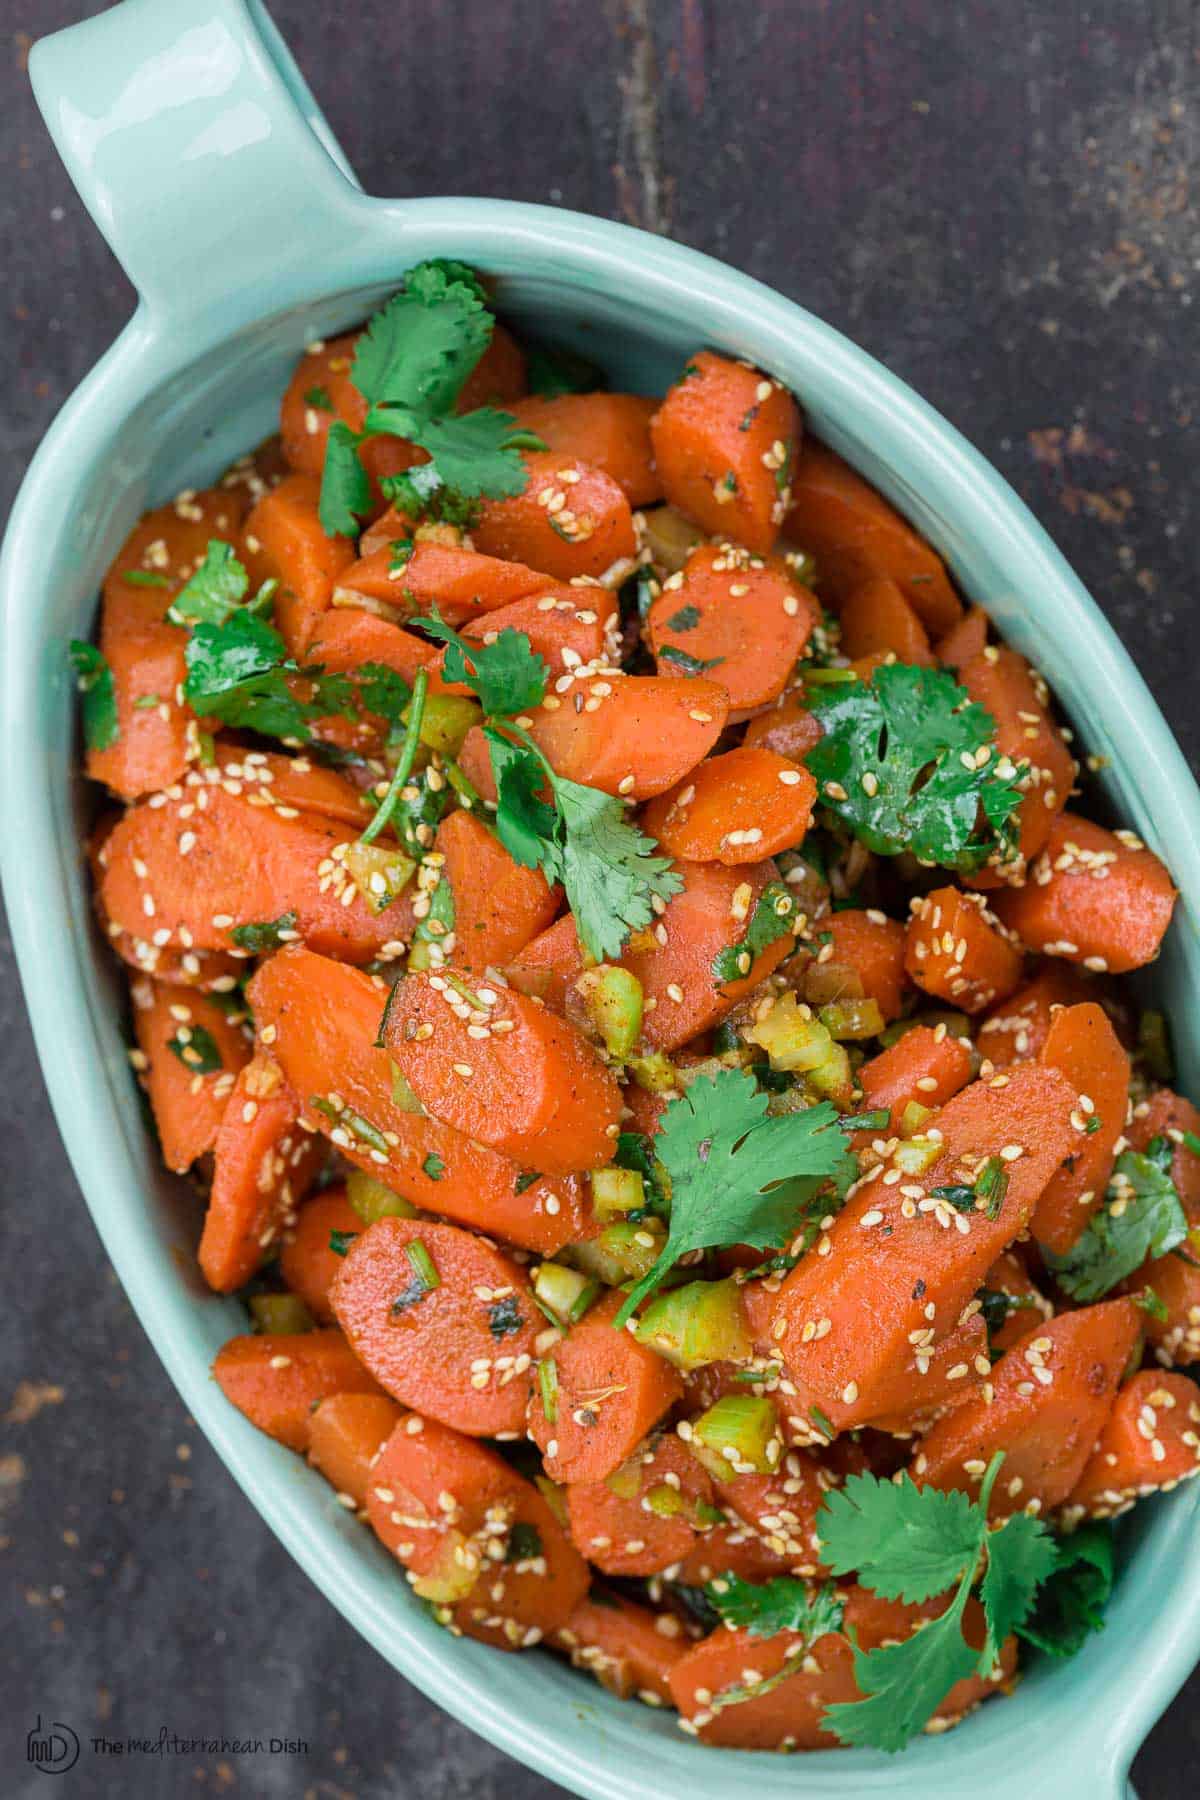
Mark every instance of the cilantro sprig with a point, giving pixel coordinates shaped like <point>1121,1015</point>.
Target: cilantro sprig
<point>736,1175</point>
<point>219,585</point>
<point>913,1544</point>
<point>1142,1217</point>
<point>782,1604</point>
<point>772,918</point>
<point>1071,1601</point>
<point>908,762</point>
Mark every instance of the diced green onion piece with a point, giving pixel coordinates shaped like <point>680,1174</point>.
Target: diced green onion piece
<point>917,1154</point>
<point>844,1019</point>
<point>402,1094</point>
<point>371,1200</point>
<point>665,1502</point>
<point>827,677</point>
<point>656,1073</point>
<point>791,1037</point>
<point>612,1000</point>
<point>381,872</point>
<point>622,1252</point>
<point>422,1265</point>
<point>913,1117</point>
<point>280,1314</point>
<point>446,722</point>
<point>616,1191</point>
<point>547,1374</point>
<point>698,1323</point>
<point>739,1435</point>
<point>831,1077</point>
<point>559,1289</point>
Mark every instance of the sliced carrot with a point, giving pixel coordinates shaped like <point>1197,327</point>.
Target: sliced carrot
<point>277,1379</point>
<point>568,626</point>
<point>735,808</point>
<point>645,1515</point>
<point>609,431</point>
<point>725,440</point>
<point>629,1649</point>
<point>1046,1424</point>
<point>1018,700</point>
<point>781,1509</point>
<point>190,1050</point>
<point>957,951</point>
<point>270,780</point>
<point>731,617</point>
<point>966,639</point>
<point>498,906</point>
<point>346,1434</point>
<point>927,1066</point>
<point>731,1550</point>
<point>788,727</point>
<point>499,378</point>
<point>325,1018</point>
<point>284,540</point>
<point>429,1338</point>
<point>263,1165</point>
<point>549,964</point>
<point>709,1683</point>
<point>855,535</point>
<point>506,1071</point>
<point>461,583</point>
<point>1169,1115</point>
<point>1018,1027</point>
<point>905,1273</point>
<point>1149,1444</point>
<point>157,733</point>
<point>308,1262</point>
<point>343,640</point>
<point>211,862</point>
<point>208,971</point>
<point>1008,1275</point>
<point>1176,1283</point>
<point>1093,897</point>
<point>642,734</point>
<point>933,1385</point>
<point>873,946</point>
<point>876,616</point>
<point>1083,1045</point>
<point>606,1394</point>
<point>572,519</point>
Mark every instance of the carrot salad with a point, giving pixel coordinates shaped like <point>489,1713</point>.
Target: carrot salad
<point>616,946</point>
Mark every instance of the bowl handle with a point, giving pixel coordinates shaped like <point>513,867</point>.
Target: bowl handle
<point>197,147</point>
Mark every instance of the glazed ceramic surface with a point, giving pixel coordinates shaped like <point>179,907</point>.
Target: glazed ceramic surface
<point>204,160</point>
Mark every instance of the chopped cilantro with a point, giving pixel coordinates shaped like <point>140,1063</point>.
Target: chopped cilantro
<point>686,619</point>
<point>781,1604</point>
<point>1142,1217</point>
<point>434,1166</point>
<point>265,934</point>
<point>1071,1601</point>
<point>197,1049</point>
<point>524,1542</point>
<point>690,665</point>
<point>505,1317</point>
<point>340,1241</point>
<point>94,679</point>
<point>525,1180</point>
<point>772,919</point>
<point>318,397</point>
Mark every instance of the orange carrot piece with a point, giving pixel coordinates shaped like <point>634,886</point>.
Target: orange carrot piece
<point>346,1434</point>
<point>346,637</point>
<point>276,1379</point>
<point>436,1348</point>
<point>565,524</point>
<point>927,1065</point>
<point>609,1394</point>
<point>873,946</point>
<point>731,1550</point>
<point>735,808</point>
<point>966,639</point>
<point>633,735</point>
<point>569,627</point>
<point>855,535</point>
<point>1092,897</point>
<point>284,539</point>
<point>1018,1027</point>
<point>549,964</point>
<point>326,1017</point>
<point>786,1717</point>
<point>958,952</point>
<point>629,1649</point>
<point>499,378</point>
<point>932,1385</point>
<point>498,906</point>
<point>1176,1339</point>
<point>207,971</point>
<point>1008,1275</point>
<point>187,1097</point>
<point>532,1087</point>
<point>647,1514</point>
<point>744,622</point>
<point>271,780</point>
<point>905,1272</point>
<point>725,440</point>
<point>1150,1442</point>
<point>157,734</point>
<point>781,1508</point>
<point>1046,1425</point>
<point>1018,700</point>
<point>1083,1045</point>
<point>609,431</point>
<point>876,616</point>
<point>1169,1115</point>
<point>460,583</point>
<point>788,727</point>
<point>307,1261</point>
<point>243,864</point>
<point>263,1164</point>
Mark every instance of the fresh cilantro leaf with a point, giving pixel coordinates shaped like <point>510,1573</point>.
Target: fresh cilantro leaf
<point>1071,1602</point>
<point>264,934</point>
<point>507,676</point>
<point>782,1604</point>
<point>906,1542</point>
<point>146,578</point>
<point>554,372</point>
<point>1020,1557</point>
<point>607,867</point>
<point>737,1176</point>
<point>905,1682</point>
<point>635,1151</point>
<point>237,673</point>
<point>1142,1217</point>
<point>94,679</point>
<point>418,350</point>
<point>526,823</point>
<point>688,665</point>
<point>686,619</point>
<point>345,487</point>
<point>420,493</point>
<point>218,585</point>
<point>319,398</point>
<point>772,919</point>
<point>505,1317</point>
<point>382,692</point>
<point>891,764</point>
<point>478,453</point>
<point>197,1049</point>
<point>525,1180</point>
<point>340,1241</point>
<point>434,1166</point>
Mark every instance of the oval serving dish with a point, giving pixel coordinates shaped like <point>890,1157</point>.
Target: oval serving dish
<point>204,159</point>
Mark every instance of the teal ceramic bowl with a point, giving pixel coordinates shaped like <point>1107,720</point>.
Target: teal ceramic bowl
<point>206,164</point>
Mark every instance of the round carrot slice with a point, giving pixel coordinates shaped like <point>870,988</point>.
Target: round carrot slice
<point>788,728</point>
<point>730,616</point>
<point>308,1262</point>
<point>443,1320</point>
<point>277,1379</point>
<point>647,1514</point>
<point>735,808</point>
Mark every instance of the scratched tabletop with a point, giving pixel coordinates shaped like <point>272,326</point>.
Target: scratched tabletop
<point>992,196</point>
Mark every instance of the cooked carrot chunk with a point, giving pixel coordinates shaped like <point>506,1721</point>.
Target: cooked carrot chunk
<point>645,1515</point>
<point>730,617</point>
<point>1083,1045</point>
<point>1017,698</point>
<point>191,1050</point>
<point>876,616</point>
<point>872,945</point>
<point>1169,1115</point>
<point>967,639</point>
<point>958,952</point>
<point>567,626</point>
<point>572,519</point>
<point>345,1435</point>
<point>409,579</point>
<point>629,1649</point>
<point>787,727</point>
<point>784,1717</point>
<point>609,431</point>
<point>285,540</point>
<point>642,734</point>
<point>927,1066</point>
<point>735,808</point>
<point>1095,897</point>
<point>1017,1028</point>
<point>308,1261</point>
<point>278,1380</point>
<point>1150,1441</point>
<point>498,905</point>
<point>1027,1304</point>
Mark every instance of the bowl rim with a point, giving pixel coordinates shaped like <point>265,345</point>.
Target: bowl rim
<point>744,317</point>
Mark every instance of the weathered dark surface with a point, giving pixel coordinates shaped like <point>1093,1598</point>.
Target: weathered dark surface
<point>991,196</point>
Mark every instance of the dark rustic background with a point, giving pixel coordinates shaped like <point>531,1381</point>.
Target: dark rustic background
<point>990,195</point>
